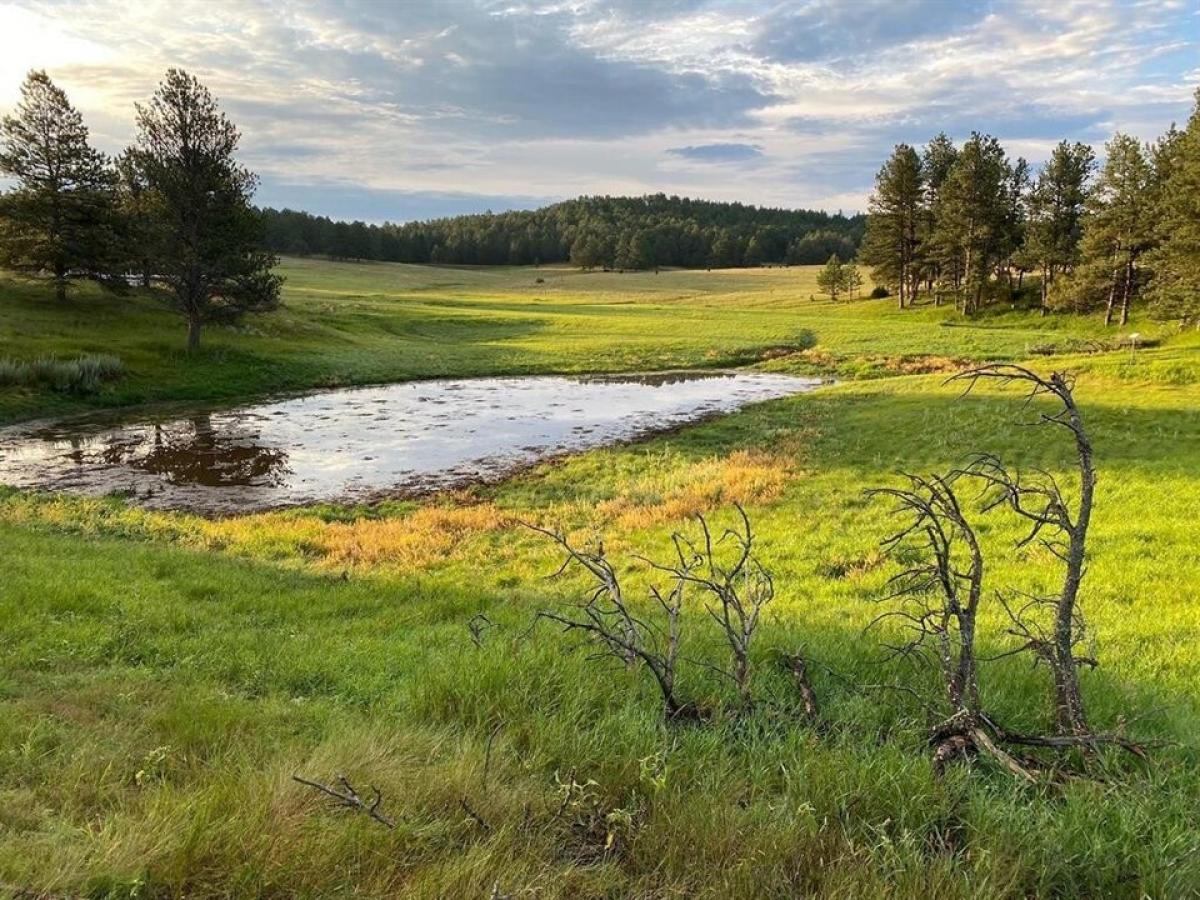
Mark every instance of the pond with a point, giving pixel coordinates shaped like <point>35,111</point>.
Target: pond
<point>362,444</point>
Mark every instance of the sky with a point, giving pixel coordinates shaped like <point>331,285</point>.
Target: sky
<point>411,109</point>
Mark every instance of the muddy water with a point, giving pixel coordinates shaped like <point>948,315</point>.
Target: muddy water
<point>362,443</point>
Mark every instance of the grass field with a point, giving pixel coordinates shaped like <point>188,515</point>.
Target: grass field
<point>165,675</point>
<point>352,323</point>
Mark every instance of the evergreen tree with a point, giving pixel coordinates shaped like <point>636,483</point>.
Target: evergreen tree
<point>936,162</point>
<point>1056,209</point>
<point>59,217</point>
<point>1175,290</point>
<point>725,252</point>
<point>852,279</point>
<point>832,279</point>
<point>136,215</point>
<point>207,239</point>
<point>974,219</point>
<point>1117,231</point>
<point>892,243</point>
<point>1015,222</point>
<point>755,254</point>
<point>587,251</point>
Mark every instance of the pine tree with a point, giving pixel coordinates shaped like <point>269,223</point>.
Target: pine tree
<point>832,278</point>
<point>1117,231</point>
<point>754,252</point>
<point>852,279</point>
<point>1175,290</point>
<point>207,238</point>
<point>892,246</point>
<point>59,217</point>
<point>725,251</point>
<point>936,162</point>
<point>135,208</point>
<point>973,231</point>
<point>1056,209</point>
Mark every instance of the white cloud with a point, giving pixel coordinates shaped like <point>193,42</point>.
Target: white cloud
<point>561,98</point>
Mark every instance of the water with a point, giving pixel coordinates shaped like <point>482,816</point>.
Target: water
<point>364,443</point>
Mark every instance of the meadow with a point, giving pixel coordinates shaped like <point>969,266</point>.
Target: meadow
<point>165,675</point>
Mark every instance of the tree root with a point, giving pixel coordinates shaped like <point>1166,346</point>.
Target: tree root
<point>965,736</point>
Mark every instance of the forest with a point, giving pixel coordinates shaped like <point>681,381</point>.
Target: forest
<point>966,224</point>
<point>590,232</point>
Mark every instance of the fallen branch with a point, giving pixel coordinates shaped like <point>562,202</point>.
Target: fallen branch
<point>350,798</point>
<point>478,819</point>
<point>1061,741</point>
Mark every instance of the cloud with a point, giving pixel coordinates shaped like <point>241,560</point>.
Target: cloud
<point>718,153</point>
<point>422,108</point>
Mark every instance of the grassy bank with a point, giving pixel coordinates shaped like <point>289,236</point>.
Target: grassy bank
<point>158,693</point>
<point>354,323</point>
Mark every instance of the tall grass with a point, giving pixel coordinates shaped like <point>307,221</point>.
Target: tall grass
<point>82,375</point>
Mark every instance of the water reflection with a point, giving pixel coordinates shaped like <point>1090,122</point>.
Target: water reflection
<point>360,443</point>
<point>202,453</point>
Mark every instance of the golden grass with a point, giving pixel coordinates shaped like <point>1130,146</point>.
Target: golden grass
<point>426,536</point>
<point>744,476</point>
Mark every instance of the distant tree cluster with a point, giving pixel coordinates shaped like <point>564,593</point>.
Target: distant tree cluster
<point>174,209</point>
<point>591,232</point>
<point>965,224</point>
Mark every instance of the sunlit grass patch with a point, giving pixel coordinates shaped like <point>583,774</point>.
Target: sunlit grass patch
<point>743,476</point>
<point>426,536</point>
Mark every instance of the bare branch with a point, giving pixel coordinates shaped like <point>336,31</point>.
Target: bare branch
<point>348,797</point>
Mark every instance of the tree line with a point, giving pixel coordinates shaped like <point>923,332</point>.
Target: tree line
<point>965,224</point>
<point>174,208</point>
<point>590,232</point>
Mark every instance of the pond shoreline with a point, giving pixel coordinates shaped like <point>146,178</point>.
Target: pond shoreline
<point>364,445</point>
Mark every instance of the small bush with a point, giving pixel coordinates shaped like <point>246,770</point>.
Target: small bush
<point>82,375</point>
<point>879,292</point>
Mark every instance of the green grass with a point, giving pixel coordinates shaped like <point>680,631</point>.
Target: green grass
<point>165,675</point>
<point>353,323</point>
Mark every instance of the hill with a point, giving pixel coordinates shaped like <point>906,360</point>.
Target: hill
<point>594,232</point>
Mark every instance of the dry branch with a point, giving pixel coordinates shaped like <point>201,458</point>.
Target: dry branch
<point>1042,502</point>
<point>607,619</point>
<point>738,588</point>
<point>349,798</point>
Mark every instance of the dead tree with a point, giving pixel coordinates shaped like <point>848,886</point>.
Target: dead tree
<point>739,590</point>
<point>607,619</point>
<point>940,594</point>
<point>797,665</point>
<point>1059,526</point>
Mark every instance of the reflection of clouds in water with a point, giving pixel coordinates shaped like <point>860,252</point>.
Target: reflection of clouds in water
<point>404,437</point>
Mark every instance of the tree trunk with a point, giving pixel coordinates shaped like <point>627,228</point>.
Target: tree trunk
<point>1112,297</point>
<point>193,338</point>
<point>1125,293</point>
<point>60,282</point>
<point>1069,697</point>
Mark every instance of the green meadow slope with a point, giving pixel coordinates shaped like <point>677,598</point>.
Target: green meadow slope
<point>165,675</point>
<point>353,323</point>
